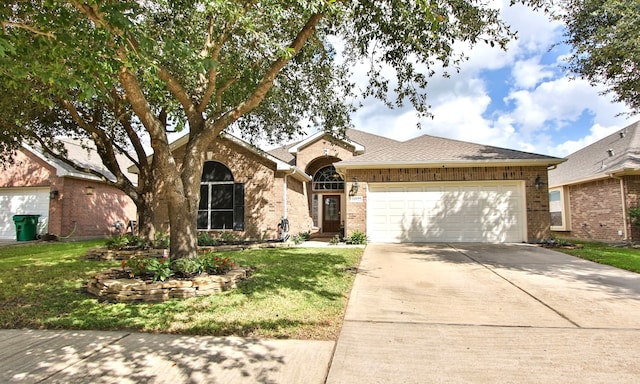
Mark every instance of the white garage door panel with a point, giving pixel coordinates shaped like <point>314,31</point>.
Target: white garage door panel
<point>455,212</point>
<point>22,201</point>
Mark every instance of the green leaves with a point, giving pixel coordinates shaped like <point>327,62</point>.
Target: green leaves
<point>605,37</point>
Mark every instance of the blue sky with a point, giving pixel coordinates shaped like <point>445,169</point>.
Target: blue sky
<point>519,98</point>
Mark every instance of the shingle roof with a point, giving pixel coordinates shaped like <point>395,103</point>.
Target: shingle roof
<point>370,141</point>
<point>618,152</point>
<point>85,156</point>
<point>428,149</point>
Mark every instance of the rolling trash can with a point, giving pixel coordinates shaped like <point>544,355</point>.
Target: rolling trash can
<point>26,227</point>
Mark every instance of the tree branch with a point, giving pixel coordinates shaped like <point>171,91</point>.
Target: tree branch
<point>6,24</point>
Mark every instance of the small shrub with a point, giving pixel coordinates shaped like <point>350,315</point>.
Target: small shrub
<point>357,237</point>
<point>228,237</point>
<point>120,241</point>
<point>159,268</point>
<point>300,237</point>
<point>216,265</point>
<point>335,240</point>
<point>187,267</point>
<point>634,215</point>
<point>161,240</point>
<point>205,239</point>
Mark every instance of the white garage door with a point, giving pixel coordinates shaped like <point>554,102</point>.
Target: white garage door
<point>22,201</point>
<point>491,212</point>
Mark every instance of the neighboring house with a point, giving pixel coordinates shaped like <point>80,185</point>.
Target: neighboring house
<point>592,192</point>
<point>421,190</point>
<point>70,203</point>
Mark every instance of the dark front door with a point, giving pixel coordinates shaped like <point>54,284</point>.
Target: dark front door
<point>331,213</point>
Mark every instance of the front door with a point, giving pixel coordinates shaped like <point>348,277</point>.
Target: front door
<point>331,213</point>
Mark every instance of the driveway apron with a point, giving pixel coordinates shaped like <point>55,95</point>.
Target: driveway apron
<point>478,313</point>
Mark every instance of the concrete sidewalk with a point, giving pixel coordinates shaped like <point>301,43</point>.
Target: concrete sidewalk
<point>474,313</point>
<point>29,356</point>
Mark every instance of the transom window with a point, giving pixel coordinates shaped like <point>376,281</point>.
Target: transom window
<point>327,179</point>
<point>221,200</point>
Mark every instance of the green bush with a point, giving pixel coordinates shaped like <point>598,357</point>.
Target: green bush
<point>205,239</point>
<point>216,265</point>
<point>187,267</point>
<point>301,237</point>
<point>161,240</point>
<point>357,237</point>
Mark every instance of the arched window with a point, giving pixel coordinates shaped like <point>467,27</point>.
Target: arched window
<point>221,200</point>
<point>327,179</point>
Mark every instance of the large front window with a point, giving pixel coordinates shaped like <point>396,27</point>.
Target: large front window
<point>221,200</point>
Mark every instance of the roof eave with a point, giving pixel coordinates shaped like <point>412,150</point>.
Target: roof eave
<point>599,176</point>
<point>447,164</point>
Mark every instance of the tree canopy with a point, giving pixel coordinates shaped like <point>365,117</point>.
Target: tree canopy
<point>605,37</point>
<point>121,72</point>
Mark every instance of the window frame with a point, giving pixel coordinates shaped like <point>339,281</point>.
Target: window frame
<point>235,207</point>
<point>563,206</point>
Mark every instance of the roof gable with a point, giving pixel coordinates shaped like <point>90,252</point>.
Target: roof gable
<point>614,154</point>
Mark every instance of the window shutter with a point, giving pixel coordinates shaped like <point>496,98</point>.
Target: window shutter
<point>238,207</point>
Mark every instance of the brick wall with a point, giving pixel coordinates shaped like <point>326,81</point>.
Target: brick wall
<point>76,214</point>
<point>27,170</point>
<point>337,150</point>
<point>632,191</point>
<point>537,200</point>
<point>596,210</point>
<point>264,192</point>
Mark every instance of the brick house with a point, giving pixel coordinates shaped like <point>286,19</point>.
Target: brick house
<point>591,193</point>
<point>69,202</point>
<point>421,190</point>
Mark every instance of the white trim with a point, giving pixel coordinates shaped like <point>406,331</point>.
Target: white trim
<point>359,148</point>
<point>564,204</point>
<point>343,165</point>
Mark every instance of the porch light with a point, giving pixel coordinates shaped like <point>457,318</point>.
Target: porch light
<point>53,194</point>
<point>88,190</point>
<point>538,183</point>
<point>354,187</point>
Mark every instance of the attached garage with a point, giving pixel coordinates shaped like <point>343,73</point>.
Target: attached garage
<point>22,201</point>
<point>447,212</point>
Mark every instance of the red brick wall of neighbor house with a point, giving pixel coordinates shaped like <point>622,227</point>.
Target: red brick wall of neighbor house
<point>263,192</point>
<point>76,214</point>
<point>27,171</point>
<point>537,201</point>
<point>596,210</point>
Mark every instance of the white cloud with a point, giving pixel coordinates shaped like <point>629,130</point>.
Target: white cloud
<point>528,73</point>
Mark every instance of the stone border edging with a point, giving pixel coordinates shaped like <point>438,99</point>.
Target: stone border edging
<point>104,285</point>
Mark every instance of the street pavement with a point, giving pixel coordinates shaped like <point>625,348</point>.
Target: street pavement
<point>418,313</point>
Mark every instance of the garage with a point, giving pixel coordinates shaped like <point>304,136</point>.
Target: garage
<point>479,211</point>
<point>21,201</point>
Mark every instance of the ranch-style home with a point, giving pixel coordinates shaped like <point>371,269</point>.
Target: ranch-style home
<point>67,202</point>
<point>427,189</point>
<point>593,193</point>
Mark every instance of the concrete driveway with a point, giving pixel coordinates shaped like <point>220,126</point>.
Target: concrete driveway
<point>478,313</point>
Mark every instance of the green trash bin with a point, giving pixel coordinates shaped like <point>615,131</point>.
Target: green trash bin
<point>26,227</point>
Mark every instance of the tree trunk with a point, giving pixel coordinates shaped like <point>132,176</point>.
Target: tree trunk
<point>184,232</point>
<point>146,217</point>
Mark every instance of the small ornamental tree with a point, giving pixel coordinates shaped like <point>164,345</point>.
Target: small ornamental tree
<point>122,72</point>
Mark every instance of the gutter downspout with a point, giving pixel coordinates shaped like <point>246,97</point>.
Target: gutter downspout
<point>624,207</point>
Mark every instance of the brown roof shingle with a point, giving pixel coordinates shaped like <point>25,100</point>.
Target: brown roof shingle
<point>615,153</point>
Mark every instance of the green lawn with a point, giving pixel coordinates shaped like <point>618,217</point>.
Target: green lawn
<point>293,293</point>
<point>620,257</point>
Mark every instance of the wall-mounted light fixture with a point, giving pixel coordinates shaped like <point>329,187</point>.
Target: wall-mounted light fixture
<point>610,152</point>
<point>88,190</point>
<point>354,187</point>
<point>538,183</point>
<point>54,194</point>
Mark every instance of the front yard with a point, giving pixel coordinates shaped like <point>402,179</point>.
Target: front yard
<point>618,256</point>
<point>296,293</point>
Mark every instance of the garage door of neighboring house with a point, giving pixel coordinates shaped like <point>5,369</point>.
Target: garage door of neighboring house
<point>446,212</point>
<point>22,201</point>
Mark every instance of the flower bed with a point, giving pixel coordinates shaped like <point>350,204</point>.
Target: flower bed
<point>116,286</point>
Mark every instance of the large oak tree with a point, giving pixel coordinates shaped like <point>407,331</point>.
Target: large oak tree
<point>120,72</point>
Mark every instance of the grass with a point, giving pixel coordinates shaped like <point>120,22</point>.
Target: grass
<point>294,293</point>
<point>616,256</point>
